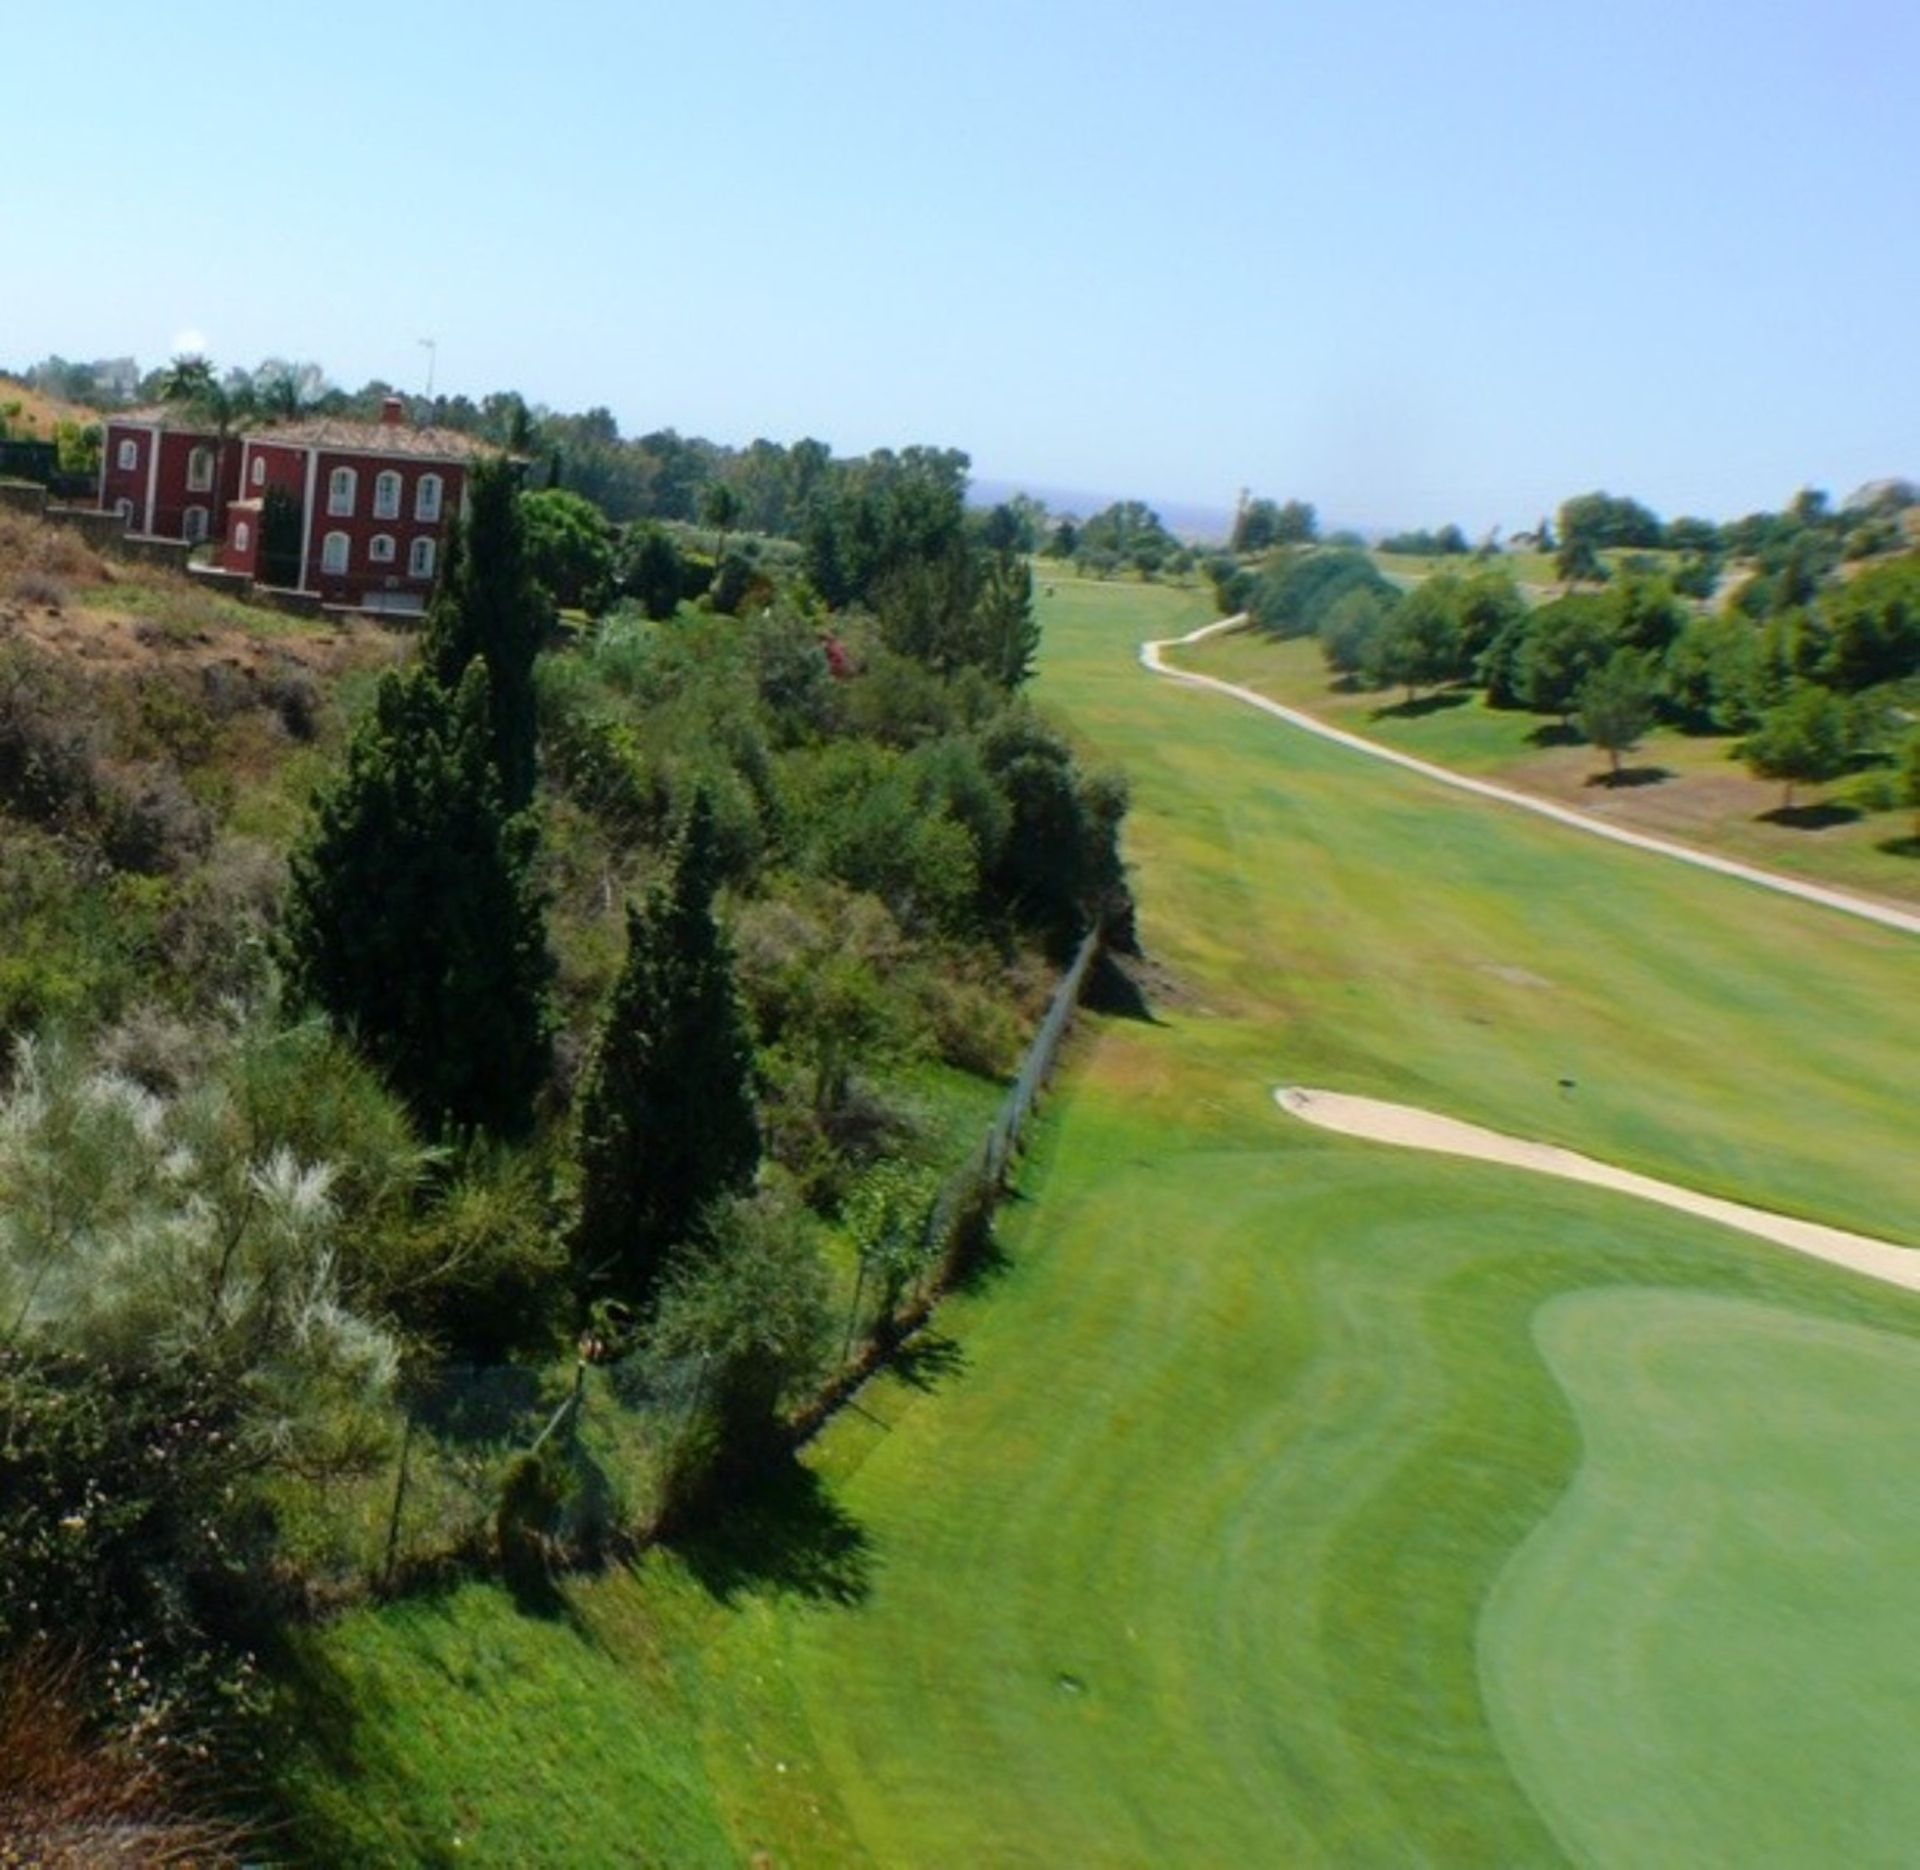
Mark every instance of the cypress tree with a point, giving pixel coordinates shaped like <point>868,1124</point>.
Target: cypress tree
<point>413,919</point>
<point>1005,631</point>
<point>488,606</point>
<point>667,1117</point>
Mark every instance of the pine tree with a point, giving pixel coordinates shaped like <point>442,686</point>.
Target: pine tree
<point>413,919</point>
<point>667,1119</point>
<point>1006,632</point>
<point>488,606</point>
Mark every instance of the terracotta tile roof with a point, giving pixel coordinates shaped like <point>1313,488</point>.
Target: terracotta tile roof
<point>374,438</point>
<point>174,416</point>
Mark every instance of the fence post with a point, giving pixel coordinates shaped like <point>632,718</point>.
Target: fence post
<point>399,1495</point>
<point>569,1410</point>
<point>853,1314</point>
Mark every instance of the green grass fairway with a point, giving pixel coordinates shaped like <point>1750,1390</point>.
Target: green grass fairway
<point>1694,786</point>
<point>1719,1568</point>
<point>1282,1499</point>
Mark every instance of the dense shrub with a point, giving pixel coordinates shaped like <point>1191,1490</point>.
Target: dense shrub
<point>414,919</point>
<point>1710,674</point>
<point>749,1299</point>
<point>1292,597</point>
<point>1060,867</point>
<point>1562,644</point>
<point>1872,627</point>
<point>49,741</point>
<point>666,1113</point>
<point>117,1533</point>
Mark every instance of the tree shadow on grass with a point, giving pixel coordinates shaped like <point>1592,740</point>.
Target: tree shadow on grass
<point>1822,817</point>
<point>779,1530</point>
<point>1113,990</point>
<point>1556,734</point>
<point>928,1359</point>
<point>984,1259</point>
<point>1422,705</point>
<point>1900,847</point>
<point>1631,776</point>
<point>331,1712</point>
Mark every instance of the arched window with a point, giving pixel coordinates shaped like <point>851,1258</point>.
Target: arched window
<point>125,509</point>
<point>420,559</point>
<point>426,498</point>
<point>196,526</point>
<point>259,470</point>
<point>200,470</point>
<point>241,536</point>
<point>380,548</point>
<point>386,495</point>
<point>343,485</point>
<point>129,455</point>
<point>333,551</point>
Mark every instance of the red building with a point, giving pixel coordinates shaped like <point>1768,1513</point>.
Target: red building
<point>371,500</point>
<point>167,474</point>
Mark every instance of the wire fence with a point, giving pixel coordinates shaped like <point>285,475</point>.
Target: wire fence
<point>612,1436</point>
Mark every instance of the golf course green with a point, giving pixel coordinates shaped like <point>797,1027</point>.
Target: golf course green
<point>1280,1498</point>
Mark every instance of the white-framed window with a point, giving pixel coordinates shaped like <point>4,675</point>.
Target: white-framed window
<point>241,536</point>
<point>426,497</point>
<point>129,453</point>
<point>380,548</point>
<point>420,559</point>
<point>259,470</point>
<point>125,509</point>
<point>386,495</point>
<point>196,526</point>
<point>200,470</point>
<point>333,551</point>
<point>343,486</point>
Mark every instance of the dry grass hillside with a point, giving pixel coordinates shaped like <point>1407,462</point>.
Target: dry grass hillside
<point>59,595</point>
<point>26,413</point>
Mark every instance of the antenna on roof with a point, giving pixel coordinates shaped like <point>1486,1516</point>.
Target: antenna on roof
<point>432,348</point>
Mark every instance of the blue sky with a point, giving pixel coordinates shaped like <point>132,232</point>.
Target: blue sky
<point>1411,262</point>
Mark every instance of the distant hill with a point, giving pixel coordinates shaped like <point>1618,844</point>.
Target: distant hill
<point>1186,520</point>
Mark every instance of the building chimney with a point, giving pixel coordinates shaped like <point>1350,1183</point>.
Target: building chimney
<point>392,412</point>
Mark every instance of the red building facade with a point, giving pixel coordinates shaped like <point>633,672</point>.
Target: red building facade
<point>167,475</point>
<point>373,500</point>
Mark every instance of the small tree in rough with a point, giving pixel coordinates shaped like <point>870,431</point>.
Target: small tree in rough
<point>888,1216</point>
<point>489,606</point>
<point>1617,705</point>
<point>667,1119</point>
<point>653,572</point>
<point>1349,629</point>
<point>748,1300</point>
<point>279,538</point>
<point>1419,643</point>
<point>1006,634</point>
<point>569,545</point>
<point>413,918</point>
<point>1578,563</point>
<point>1564,643</point>
<point>1803,741</point>
<point>719,507</point>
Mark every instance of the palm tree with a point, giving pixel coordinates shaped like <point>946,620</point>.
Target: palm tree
<point>220,404</point>
<point>719,507</point>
